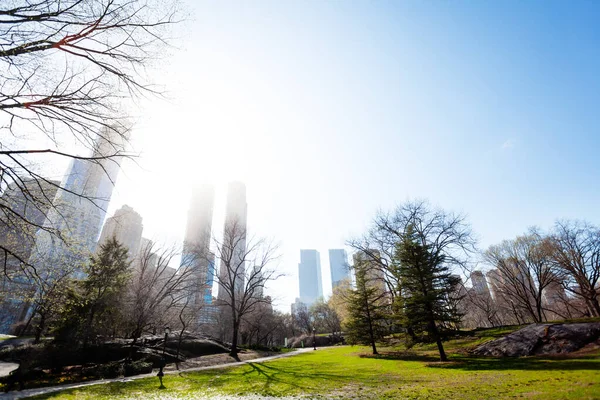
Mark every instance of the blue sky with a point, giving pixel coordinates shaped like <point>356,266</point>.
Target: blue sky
<point>329,110</point>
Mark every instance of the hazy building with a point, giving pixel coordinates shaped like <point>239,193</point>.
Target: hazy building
<point>125,226</point>
<point>145,251</point>
<point>79,210</point>
<point>26,200</point>
<point>257,276</point>
<point>496,284</point>
<point>338,266</point>
<point>370,260</point>
<point>196,245</point>
<point>298,306</point>
<point>479,283</point>
<point>234,236</point>
<point>309,274</point>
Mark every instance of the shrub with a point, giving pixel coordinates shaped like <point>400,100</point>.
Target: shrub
<point>109,370</point>
<point>137,368</point>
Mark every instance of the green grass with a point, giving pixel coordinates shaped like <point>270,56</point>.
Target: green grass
<point>351,372</point>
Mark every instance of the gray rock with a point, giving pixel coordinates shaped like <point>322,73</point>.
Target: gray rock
<point>542,339</point>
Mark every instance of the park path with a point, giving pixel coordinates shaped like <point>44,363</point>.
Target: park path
<point>13,395</point>
<point>7,367</point>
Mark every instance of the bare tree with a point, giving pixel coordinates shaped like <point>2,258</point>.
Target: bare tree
<point>258,326</point>
<point>576,256</point>
<point>445,233</point>
<point>526,271</point>
<point>325,317</point>
<point>480,310</point>
<point>49,296</point>
<point>158,291</point>
<point>66,66</point>
<point>244,271</point>
<point>339,300</point>
<point>303,320</point>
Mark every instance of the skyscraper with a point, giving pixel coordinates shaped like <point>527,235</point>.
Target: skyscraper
<point>196,245</point>
<point>370,260</point>
<point>479,282</point>
<point>29,203</point>
<point>125,226</point>
<point>234,237</point>
<point>80,207</point>
<point>338,265</point>
<point>20,237</point>
<point>309,274</point>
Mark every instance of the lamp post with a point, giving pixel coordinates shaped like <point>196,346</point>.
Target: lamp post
<point>167,331</point>
<point>163,362</point>
<point>314,340</point>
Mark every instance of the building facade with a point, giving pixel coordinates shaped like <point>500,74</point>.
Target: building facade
<point>338,266</point>
<point>28,202</point>
<point>309,274</point>
<point>126,227</point>
<point>79,208</point>
<point>370,260</point>
<point>480,285</point>
<point>196,245</point>
<point>233,246</point>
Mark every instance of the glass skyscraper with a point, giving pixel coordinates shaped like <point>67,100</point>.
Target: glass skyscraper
<point>309,273</point>
<point>338,265</point>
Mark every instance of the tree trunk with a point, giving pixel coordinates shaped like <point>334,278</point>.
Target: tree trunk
<point>438,340</point>
<point>440,346</point>
<point>234,351</point>
<point>40,328</point>
<point>595,306</point>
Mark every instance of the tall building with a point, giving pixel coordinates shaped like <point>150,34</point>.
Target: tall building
<point>79,207</point>
<point>196,245</point>
<point>234,238</point>
<point>309,274</point>
<point>28,202</point>
<point>31,200</point>
<point>479,283</point>
<point>125,226</point>
<point>338,266</point>
<point>257,276</point>
<point>496,284</point>
<point>370,259</point>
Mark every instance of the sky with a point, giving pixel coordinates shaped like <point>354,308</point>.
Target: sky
<point>332,110</point>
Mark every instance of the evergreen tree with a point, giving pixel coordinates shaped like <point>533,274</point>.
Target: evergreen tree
<point>366,316</point>
<point>95,303</point>
<point>425,285</point>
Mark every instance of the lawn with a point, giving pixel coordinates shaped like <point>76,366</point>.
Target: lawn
<point>351,372</point>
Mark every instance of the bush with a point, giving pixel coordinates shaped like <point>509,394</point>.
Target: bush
<point>109,370</point>
<point>137,368</point>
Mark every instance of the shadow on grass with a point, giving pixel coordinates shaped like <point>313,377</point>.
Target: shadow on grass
<point>523,363</point>
<point>401,356</point>
<point>299,379</point>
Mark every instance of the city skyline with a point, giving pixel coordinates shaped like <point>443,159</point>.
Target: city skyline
<point>482,135</point>
<point>79,209</point>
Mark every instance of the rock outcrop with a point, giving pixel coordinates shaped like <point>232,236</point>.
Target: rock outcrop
<point>542,339</point>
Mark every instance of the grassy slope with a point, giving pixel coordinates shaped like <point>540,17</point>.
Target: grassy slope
<point>350,372</point>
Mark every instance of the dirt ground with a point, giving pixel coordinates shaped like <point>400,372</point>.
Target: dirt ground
<point>218,359</point>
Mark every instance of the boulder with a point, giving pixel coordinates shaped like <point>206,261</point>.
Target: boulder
<point>322,341</point>
<point>542,339</point>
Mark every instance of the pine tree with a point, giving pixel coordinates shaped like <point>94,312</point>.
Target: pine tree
<point>107,276</point>
<point>94,304</point>
<point>366,318</point>
<point>425,283</point>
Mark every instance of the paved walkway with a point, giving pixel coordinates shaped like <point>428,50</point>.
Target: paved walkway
<point>6,368</point>
<point>51,389</point>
